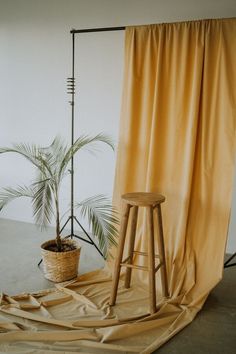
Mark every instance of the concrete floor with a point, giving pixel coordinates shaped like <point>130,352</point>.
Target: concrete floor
<point>20,253</point>
<point>212,332</point>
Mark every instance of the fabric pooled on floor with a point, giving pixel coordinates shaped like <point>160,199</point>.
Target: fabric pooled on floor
<point>76,317</point>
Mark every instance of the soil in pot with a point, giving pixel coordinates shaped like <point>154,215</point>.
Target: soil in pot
<point>64,247</point>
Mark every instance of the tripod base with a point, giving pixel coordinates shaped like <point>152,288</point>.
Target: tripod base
<point>89,240</point>
<point>227,265</point>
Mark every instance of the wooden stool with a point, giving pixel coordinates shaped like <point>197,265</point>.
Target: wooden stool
<point>152,202</point>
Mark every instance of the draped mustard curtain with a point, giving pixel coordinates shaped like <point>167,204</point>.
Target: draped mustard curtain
<point>177,137</point>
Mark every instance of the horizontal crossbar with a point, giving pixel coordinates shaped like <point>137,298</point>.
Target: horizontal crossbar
<point>135,266</point>
<point>103,29</point>
<point>144,254</point>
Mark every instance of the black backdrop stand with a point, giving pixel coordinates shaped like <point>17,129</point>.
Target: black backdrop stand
<point>72,219</point>
<point>71,90</point>
<point>227,265</point>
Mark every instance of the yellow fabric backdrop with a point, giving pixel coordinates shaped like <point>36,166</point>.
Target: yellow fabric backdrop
<point>177,137</point>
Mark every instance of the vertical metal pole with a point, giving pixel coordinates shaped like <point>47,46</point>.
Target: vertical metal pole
<point>72,135</point>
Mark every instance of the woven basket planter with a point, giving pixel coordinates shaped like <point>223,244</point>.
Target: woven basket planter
<point>60,266</point>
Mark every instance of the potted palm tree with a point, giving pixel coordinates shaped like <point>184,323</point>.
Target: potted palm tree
<point>61,256</point>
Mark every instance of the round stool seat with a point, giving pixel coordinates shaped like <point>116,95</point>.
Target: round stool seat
<point>143,198</point>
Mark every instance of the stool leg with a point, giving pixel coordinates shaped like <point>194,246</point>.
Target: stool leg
<point>123,229</point>
<point>161,248</point>
<point>151,261</point>
<point>134,216</point>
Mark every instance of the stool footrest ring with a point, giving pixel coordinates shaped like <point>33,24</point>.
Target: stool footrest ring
<point>158,266</point>
<point>144,254</point>
<point>134,266</point>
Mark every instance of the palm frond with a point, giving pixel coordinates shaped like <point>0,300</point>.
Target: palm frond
<point>46,167</point>
<point>9,194</point>
<point>43,202</point>
<point>54,153</point>
<point>51,163</point>
<point>28,151</point>
<point>102,219</point>
<point>82,142</point>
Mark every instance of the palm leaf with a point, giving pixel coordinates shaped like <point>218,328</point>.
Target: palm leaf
<point>43,202</point>
<point>82,142</point>
<point>30,152</point>
<point>54,154</point>
<point>51,163</point>
<point>9,194</point>
<point>102,219</point>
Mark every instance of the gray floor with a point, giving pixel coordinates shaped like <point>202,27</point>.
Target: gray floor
<point>214,329</point>
<point>20,252</point>
<point>212,332</point>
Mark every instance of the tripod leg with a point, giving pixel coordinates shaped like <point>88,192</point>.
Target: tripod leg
<point>91,241</point>
<point>226,264</point>
<point>65,224</point>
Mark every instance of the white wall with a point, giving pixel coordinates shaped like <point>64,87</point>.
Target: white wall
<point>35,60</point>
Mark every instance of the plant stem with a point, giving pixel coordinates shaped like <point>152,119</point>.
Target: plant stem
<point>58,237</point>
